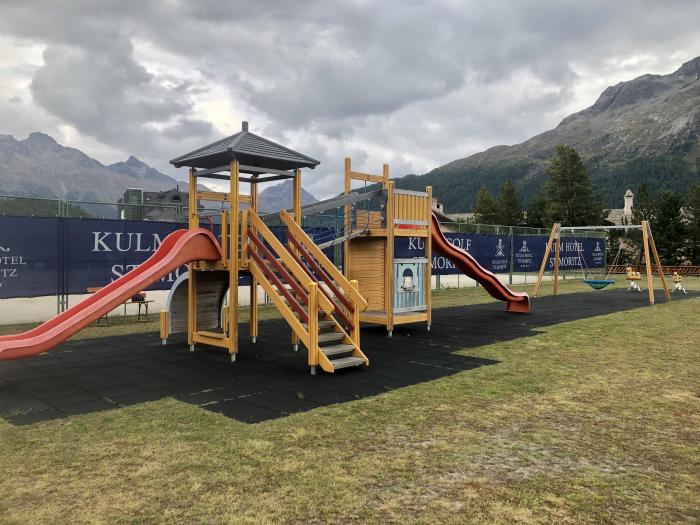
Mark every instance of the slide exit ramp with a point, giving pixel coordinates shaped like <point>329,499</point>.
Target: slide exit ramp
<point>516,301</point>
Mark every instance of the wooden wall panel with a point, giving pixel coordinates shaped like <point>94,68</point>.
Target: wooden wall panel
<point>367,267</point>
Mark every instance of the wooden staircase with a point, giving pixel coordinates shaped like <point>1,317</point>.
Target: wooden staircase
<point>318,303</point>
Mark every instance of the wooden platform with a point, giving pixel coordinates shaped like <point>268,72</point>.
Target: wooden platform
<point>382,317</point>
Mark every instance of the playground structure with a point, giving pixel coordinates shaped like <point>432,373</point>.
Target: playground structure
<point>322,305</point>
<point>397,290</point>
<point>648,250</point>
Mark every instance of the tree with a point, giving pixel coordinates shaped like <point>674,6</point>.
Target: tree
<point>538,213</point>
<point>644,206</point>
<point>486,207</point>
<point>692,215</point>
<point>574,202</point>
<point>670,234</point>
<point>510,211</point>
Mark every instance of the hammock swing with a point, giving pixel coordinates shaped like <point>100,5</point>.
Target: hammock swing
<point>597,283</point>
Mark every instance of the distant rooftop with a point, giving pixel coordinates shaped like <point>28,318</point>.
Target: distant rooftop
<point>249,149</point>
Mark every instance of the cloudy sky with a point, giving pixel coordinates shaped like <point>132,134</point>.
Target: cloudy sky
<point>412,83</point>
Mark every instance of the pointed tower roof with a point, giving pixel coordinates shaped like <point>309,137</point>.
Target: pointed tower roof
<point>249,149</point>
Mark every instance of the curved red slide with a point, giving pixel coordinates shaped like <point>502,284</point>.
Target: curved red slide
<point>517,301</point>
<point>178,248</point>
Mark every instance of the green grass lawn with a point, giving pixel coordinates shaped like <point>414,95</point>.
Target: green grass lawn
<point>593,421</point>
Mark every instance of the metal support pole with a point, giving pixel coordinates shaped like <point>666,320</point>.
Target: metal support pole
<point>510,271</point>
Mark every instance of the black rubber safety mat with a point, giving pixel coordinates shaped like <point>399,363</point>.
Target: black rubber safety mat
<point>269,380</point>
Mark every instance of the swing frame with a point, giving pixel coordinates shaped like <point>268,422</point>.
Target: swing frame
<point>648,245</point>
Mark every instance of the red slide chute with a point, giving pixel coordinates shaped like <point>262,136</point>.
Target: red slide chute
<point>178,248</point>
<point>516,301</point>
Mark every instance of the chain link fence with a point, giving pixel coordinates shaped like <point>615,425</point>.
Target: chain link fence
<point>321,226</point>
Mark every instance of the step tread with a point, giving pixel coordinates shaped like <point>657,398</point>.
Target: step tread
<point>323,324</point>
<point>337,349</point>
<point>345,362</point>
<point>325,337</point>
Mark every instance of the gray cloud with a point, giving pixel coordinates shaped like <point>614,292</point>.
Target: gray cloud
<point>417,83</point>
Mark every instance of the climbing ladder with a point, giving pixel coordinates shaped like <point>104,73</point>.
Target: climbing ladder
<point>320,305</point>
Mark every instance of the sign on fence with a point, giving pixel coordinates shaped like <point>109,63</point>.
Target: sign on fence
<point>493,252</point>
<point>29,256</point>
<point>51,256</point>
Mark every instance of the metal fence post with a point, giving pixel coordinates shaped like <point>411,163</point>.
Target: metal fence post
<point>510,271</point>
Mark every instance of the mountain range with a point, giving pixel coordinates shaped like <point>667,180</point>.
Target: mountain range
<point>645,130</point>
<point>38,166</point>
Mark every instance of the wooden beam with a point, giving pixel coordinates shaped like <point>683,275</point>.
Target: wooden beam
<point>543,266</point>
<point>313,349</point>
<point>389,260</point>
<point>213,196</point>
<point>647,260</point>
<point>296,209</point>
<point>234,228</point>
<point>659,268</point>
<point>193,222</point>
<point>356,175</point>
<point>253,323</point>
<point>256,180</point>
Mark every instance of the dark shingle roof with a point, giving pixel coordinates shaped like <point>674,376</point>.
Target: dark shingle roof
<point>249,149</point>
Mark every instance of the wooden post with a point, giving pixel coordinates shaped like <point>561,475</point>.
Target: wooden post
<point>355,333</point>
<point>296,209</point>
<point>557,253</point>
<point>389,261</point>
<point>233,261</point>
<point>253,324</point>
<point>647,260</point>
<point>543,266</point>
<point>224,236</point>
<point>313,326</point>
<point>429,265</point>
<point>164,326</point>
<point>193,222</point>
<point>385,175</point>
<point>244,237</point>
<point>659,268</point>
<point>296,204</point>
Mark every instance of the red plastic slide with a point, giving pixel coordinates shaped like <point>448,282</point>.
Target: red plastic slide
<point>178,248</point>
<point>517,301</point>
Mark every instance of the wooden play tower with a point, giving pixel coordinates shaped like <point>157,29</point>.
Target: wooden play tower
<point>397,289</point>
<point>319,304</point>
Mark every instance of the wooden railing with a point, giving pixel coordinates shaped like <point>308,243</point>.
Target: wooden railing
<point>411,207</point>
<point>348,291</point>
<point>275,268</point>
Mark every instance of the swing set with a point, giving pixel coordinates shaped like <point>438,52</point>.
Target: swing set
<point>598,283</point>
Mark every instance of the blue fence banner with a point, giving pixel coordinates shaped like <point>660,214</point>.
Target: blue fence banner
<point>51,256</point>
<point>493,252</point>
<point>102,250</point>
<point>29,256</point>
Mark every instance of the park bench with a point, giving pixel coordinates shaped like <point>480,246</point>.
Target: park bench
<point>142,315</point>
